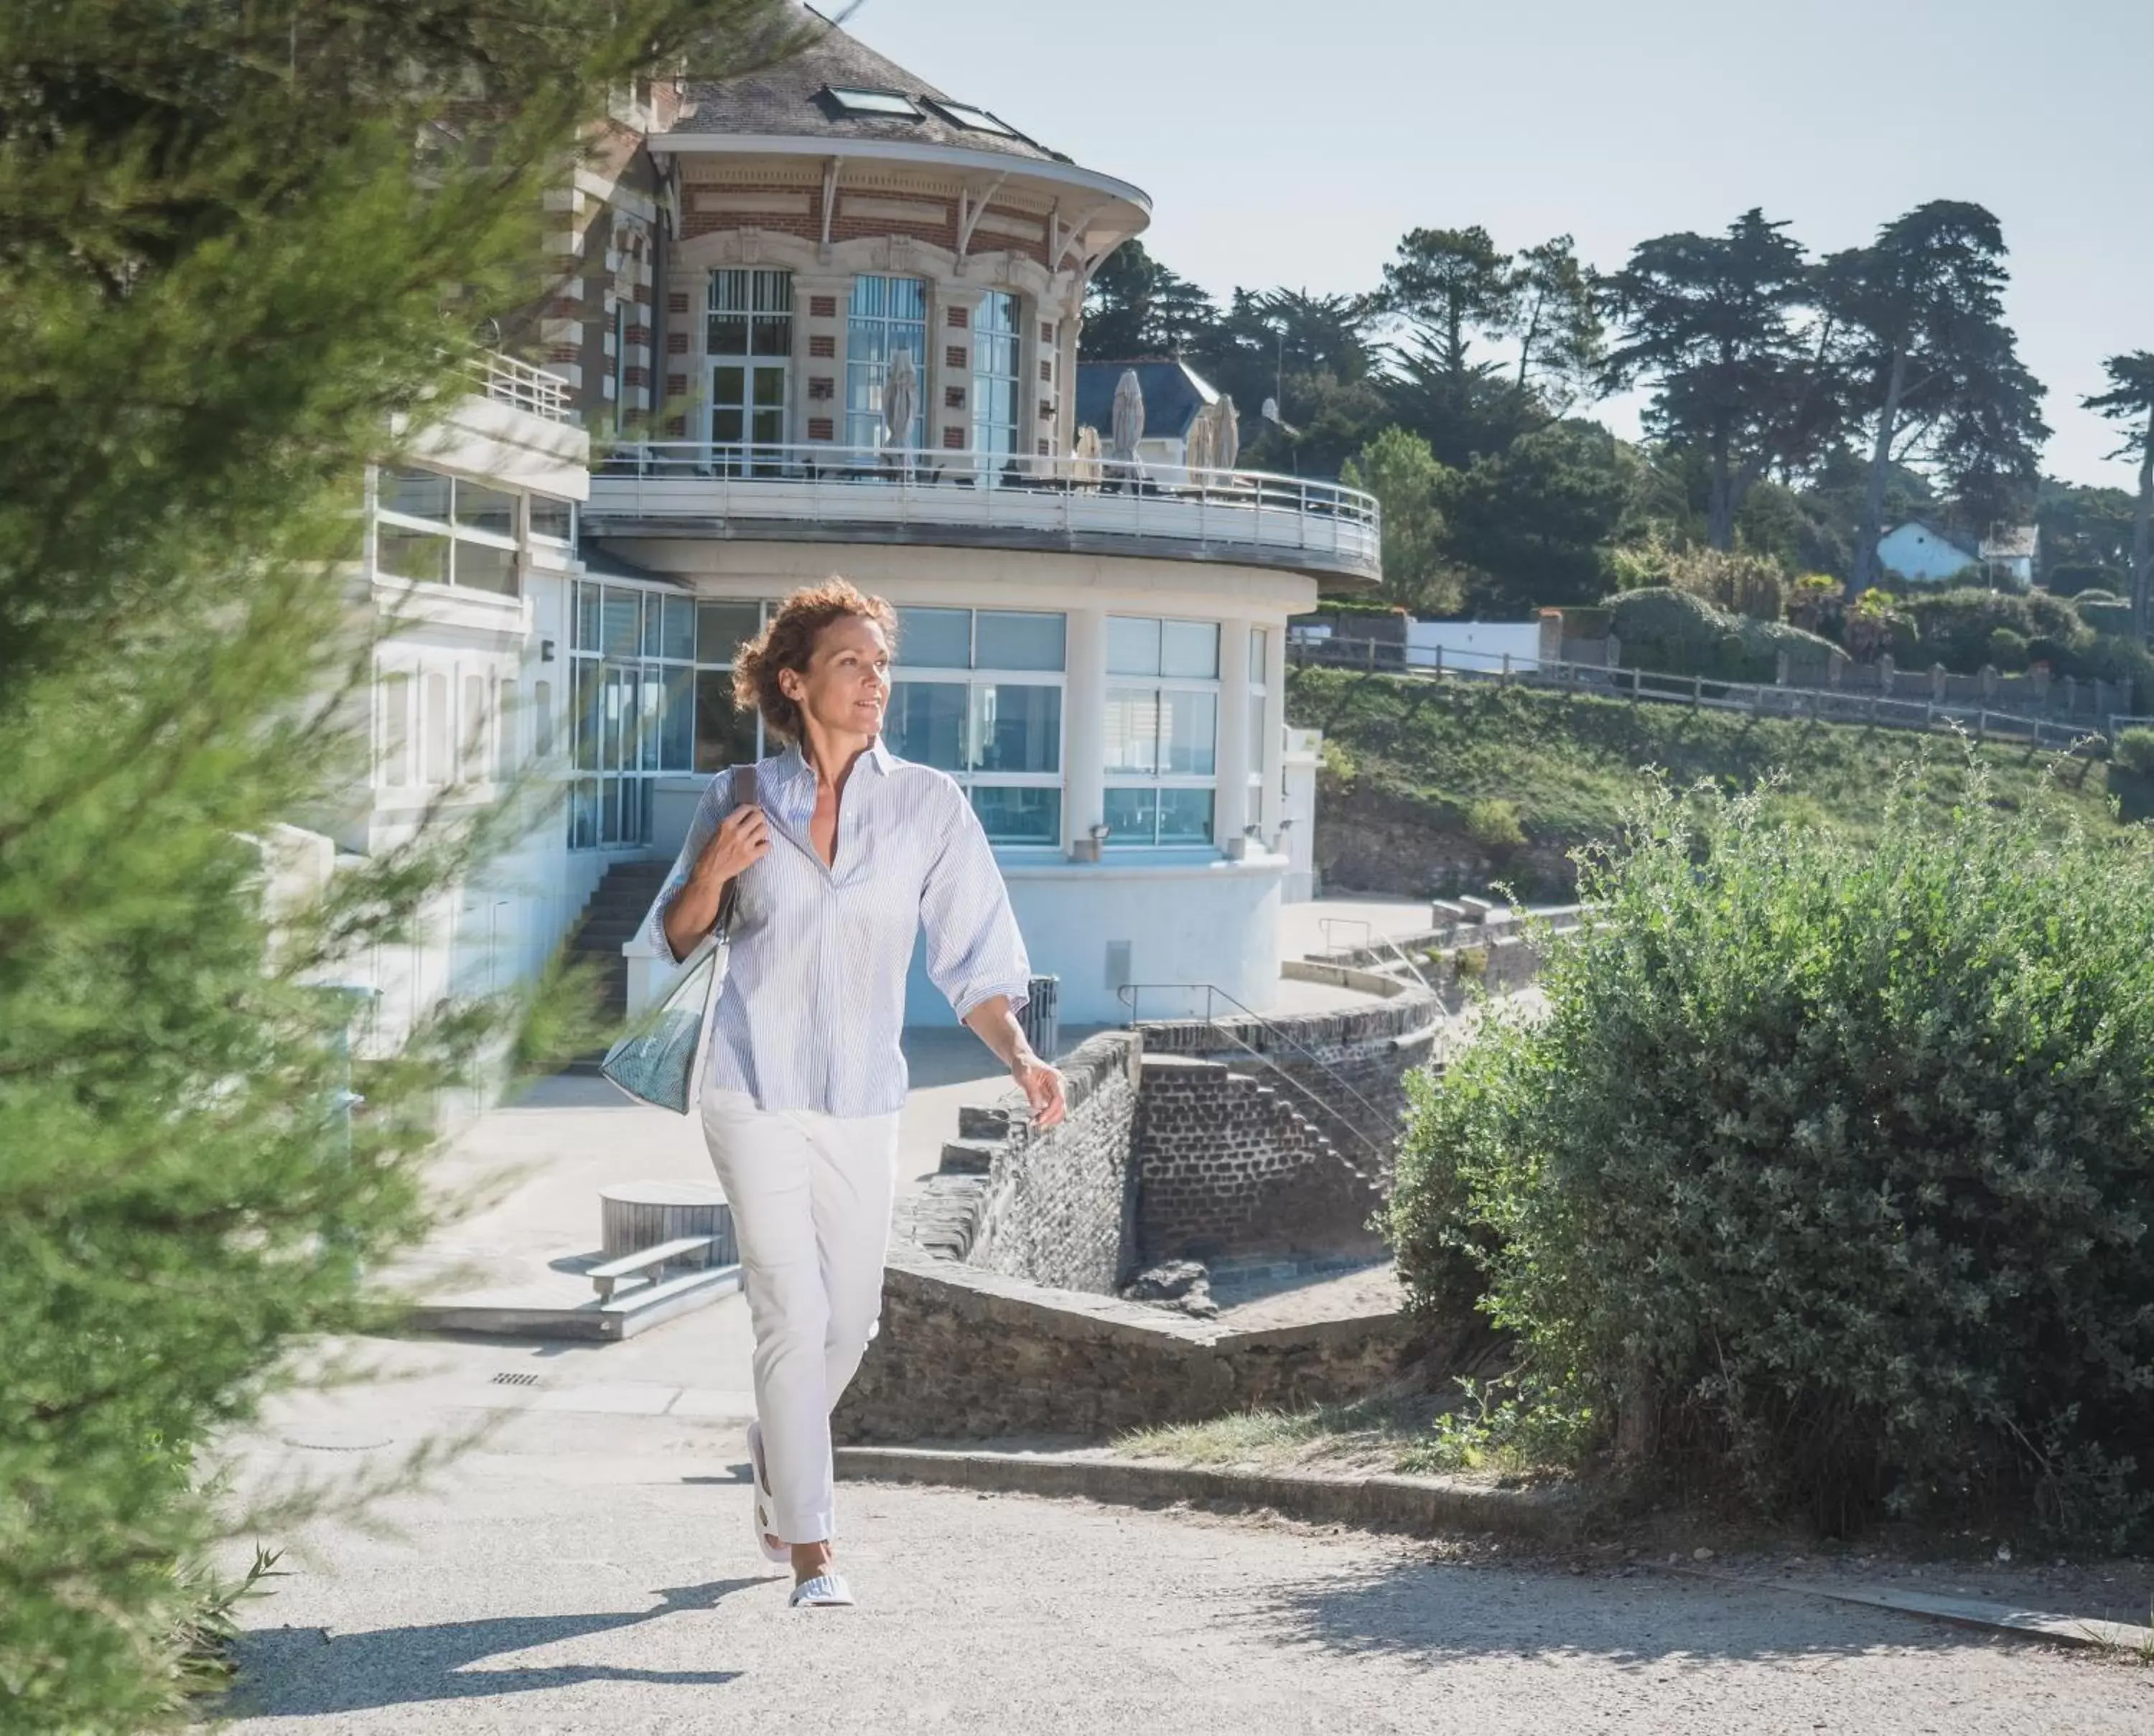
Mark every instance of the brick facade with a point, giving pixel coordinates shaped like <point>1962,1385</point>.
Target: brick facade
<point>1226,1164</point>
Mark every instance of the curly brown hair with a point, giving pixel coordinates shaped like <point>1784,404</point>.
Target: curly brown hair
<point>789,641</point>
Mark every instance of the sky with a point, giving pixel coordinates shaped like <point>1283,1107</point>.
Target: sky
<point>1291,144</point>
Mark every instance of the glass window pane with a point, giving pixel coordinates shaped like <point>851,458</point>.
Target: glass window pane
<point>1190,648</point>
<point>584,815</point>
<point>1132,815</point>
<point>1185,816</point>
<point>934,638</point>
<point>723,628</point>
<point>885,315</point>
<point>418,554</point>
<point>620,622</point>
<point>1259,755</point>
<point>926,723</point>
<point>480,566</point>
<point>1132,646</point>
<point>589,680</point>
<point>1019,816</point>
<point>483,509</point>
<point>676,636</point>
<point>1189,733</point>
<point>1132,729</point>
<point>554,518</point>
<point>654,623</point>
<point>676,735</point>
<point>1017,728</point>
<point>1019,641</point>
<point>586,635</point>
<point>415,493</point>
<point>725,735</point>
<point>649,715</point>
<point>1260,658</point>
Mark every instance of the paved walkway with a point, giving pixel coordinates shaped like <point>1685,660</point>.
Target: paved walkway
<point>588,1570</point>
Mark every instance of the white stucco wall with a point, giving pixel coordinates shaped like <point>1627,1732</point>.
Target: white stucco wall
<point>1195,921</point>
<point>1920,556</point>
<point>1473,644</point>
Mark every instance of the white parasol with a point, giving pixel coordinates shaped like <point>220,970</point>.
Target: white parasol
<point>1129,420</point>
<point>900,400</point>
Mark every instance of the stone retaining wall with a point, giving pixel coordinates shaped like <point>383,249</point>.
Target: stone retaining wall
<point>967,1355</point>
<point>1058,1206</point>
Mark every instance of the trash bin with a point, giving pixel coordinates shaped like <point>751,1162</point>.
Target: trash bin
<point>1042,1017</point>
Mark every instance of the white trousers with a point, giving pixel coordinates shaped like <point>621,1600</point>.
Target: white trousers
<point>811,1200</point>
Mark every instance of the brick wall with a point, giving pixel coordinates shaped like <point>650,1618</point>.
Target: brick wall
<point>1346,1071</point>
<point>1226,1164</point>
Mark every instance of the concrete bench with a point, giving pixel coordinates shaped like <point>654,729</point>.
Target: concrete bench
<point>643,1266</point>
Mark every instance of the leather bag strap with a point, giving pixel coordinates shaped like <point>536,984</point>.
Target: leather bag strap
<point>745,791</point>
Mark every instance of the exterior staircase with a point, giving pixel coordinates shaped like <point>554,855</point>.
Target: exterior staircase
<point>613,914</point>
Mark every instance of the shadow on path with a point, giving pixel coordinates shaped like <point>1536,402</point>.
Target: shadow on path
<point>1434,1613</point>
<point>297,1671</point>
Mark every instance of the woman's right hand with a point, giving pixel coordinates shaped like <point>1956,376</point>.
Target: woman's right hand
<point>742,839</point>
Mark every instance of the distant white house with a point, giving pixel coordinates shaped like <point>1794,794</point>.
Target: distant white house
<point>1921,554</point>
<point>2008,554</point>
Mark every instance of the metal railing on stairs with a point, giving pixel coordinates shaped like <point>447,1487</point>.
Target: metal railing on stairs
<point>1128,994</point>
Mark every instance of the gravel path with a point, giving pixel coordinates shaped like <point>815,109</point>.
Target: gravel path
<point>592,1573</point>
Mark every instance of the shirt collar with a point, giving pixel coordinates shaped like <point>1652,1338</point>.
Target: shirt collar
<point>791,765</point>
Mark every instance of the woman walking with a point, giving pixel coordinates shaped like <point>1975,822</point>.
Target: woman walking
<point>846,853</point>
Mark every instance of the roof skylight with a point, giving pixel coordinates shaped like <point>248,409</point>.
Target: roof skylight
<point>978,121</point>
<point>854,101</point>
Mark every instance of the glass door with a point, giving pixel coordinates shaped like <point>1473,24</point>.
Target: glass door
<point>748,415</point>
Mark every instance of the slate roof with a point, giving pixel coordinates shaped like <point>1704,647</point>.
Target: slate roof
<point>1173,393</point>
<point>788,100</point>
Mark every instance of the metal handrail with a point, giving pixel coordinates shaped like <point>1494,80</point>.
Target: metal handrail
<point>1380,1152</point>
<point>1700,692</point>
<point>985,489</point>
<point>521,385</point>
<point>1128,992</point>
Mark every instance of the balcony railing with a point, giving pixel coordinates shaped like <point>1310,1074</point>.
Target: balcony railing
<point>520,385</point>
<point>991,499</point>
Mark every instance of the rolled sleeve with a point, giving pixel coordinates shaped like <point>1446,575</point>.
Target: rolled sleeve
<point>974,950</point>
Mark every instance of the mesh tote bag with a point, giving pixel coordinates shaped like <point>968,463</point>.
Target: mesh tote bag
<point>656,1063</point>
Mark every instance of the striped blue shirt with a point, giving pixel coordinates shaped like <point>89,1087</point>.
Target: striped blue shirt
<point>814,1004</point>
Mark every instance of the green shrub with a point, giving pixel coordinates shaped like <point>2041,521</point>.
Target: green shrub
<point>2073,580</point>
<point>1678,633</point>
<point>1829,1168</point>
<point>2135,751</point>
<point>1954,627</point>
<point>2105,614</point>
<point>1493,823</point>
<point>2007,650</point>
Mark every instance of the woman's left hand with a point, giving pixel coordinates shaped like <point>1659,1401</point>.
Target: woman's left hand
<point>1042,1085</point>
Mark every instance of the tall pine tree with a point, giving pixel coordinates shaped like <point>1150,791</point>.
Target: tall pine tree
<point>1932,372</point>
<point>226,230</point>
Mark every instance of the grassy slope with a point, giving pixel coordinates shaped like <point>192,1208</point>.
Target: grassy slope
<point>1567,762</point>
